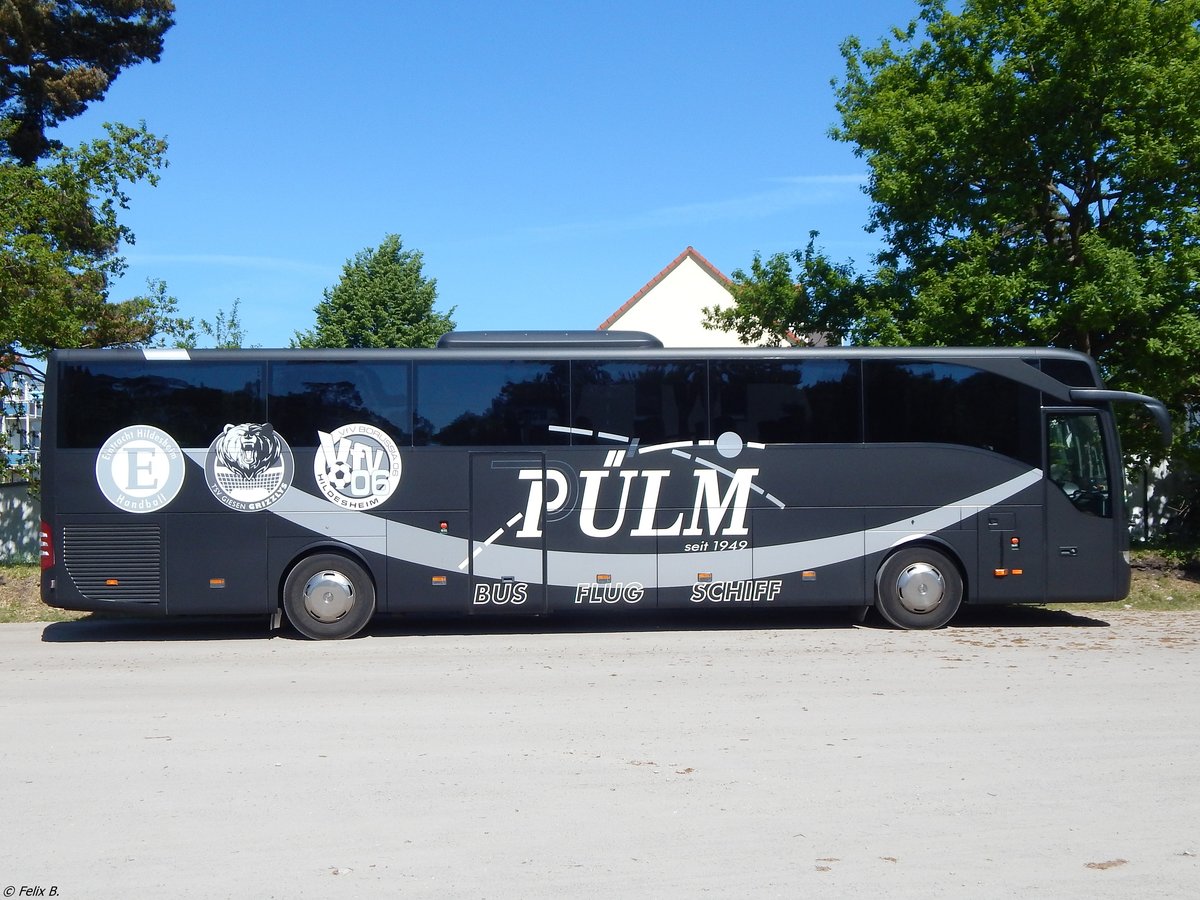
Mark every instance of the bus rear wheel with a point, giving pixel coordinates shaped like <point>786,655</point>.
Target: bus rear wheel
<point>918,588</point>
<point>328,597</point>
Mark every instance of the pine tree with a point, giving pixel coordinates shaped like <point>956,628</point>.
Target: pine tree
<point>382,300</point>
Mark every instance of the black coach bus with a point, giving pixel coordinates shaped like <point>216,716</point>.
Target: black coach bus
<point>545,471</point>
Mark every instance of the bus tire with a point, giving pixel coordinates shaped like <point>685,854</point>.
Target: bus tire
<point>328,597</point>
<point>918,588</point>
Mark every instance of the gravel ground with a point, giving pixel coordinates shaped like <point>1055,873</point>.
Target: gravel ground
<point>1019,753</point>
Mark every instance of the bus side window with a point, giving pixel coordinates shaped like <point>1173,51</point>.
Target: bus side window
<point>490,403</point>
<point>651,401</point>
<point>191,401</point>
<point>312,396</point>
<point>938,402</point>
<point>786,401</point>
<point>1075,460</point>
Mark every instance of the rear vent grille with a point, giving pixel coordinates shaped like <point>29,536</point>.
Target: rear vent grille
<point>115,562</point>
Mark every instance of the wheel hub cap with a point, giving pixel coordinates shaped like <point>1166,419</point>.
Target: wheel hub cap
<point>328,596</point>
<point>920,588</point>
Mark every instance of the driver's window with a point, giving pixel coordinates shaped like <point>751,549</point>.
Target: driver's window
<point>1077,461</point>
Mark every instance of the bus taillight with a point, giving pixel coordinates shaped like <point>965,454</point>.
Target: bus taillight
<point>47,546</point>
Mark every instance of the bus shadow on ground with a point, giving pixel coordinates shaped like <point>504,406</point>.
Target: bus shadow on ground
<point>108,627</point>
<point>1024,617</point>
<point>644,621</point>
<point>823,618</point>
<point>112,628</point>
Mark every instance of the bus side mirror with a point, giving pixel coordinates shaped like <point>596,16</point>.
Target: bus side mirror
<point>1156,407</point>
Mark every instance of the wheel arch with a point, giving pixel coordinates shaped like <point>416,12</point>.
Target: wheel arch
<point>316,548</point>
<point>933,542</point>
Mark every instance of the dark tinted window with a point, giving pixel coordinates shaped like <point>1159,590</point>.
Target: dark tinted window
<point>652,401</point>
<point>307,397</point>
<point>1079,462</point>
<point>472,404</point>
<point>951,404</point>
<point>190,401</point>
<point>1074,372</point>
<point>785,401</point>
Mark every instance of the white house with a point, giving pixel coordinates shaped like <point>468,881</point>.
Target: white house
<point>21,398</point>
<point>671,305</point>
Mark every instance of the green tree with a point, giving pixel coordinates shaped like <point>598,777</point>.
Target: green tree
<point>57,56</point>
<point>225,331</point>
<point>59,243</point>
<point>382,300</point>
<point>1033,177</point>
<point>59,230</point>
<point>777,303</point>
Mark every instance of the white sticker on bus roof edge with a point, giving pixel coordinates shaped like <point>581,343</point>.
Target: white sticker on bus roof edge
<point>177,353</point>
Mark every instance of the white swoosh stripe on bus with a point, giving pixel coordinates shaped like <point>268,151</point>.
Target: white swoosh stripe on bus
<point>568,568</point>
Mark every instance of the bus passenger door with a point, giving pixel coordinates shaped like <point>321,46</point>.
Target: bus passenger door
<point>507,554</point>
<point>1084,518</point>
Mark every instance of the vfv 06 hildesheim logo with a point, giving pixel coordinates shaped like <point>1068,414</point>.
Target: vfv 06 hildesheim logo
<point>357,466</point>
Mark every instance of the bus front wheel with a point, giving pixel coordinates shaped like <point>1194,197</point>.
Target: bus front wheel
<point>918,587</point>
<point>328,597</point>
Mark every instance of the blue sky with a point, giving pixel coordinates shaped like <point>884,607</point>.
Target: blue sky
<point>547,158</point>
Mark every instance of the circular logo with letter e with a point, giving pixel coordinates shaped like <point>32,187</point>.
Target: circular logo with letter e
<point>140,469</point>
